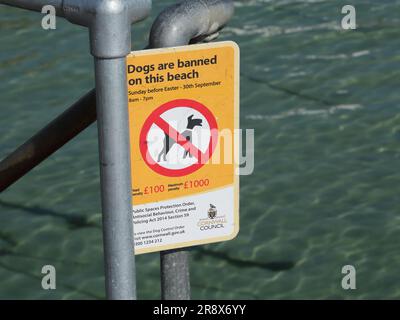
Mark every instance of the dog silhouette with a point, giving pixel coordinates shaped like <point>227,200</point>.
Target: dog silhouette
<point>169,142</point>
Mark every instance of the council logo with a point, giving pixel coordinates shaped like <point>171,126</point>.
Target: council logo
<point>213,221</point>
<point>212,212</point>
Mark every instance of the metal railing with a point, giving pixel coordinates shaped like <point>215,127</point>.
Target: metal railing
<point>109,23</point>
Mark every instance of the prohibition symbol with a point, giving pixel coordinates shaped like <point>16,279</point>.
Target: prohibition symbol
<point>178,138</point>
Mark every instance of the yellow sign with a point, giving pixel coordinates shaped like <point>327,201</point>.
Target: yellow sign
<point>184,121</point>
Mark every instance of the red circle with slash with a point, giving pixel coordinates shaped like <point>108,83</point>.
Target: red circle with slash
<point>155,118</point>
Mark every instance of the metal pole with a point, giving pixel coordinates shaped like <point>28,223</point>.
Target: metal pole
<point>48,140</point>
<point>109,23</point>
<point>190,21</point>
<point>35,5</point>
<point>175,277</point>
<point>175,26</point>
<point>112,116</point>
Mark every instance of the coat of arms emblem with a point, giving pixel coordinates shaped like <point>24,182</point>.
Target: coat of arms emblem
<point>212,212</point>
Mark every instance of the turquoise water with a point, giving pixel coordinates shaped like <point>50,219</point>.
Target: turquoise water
<point>325,107</point>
